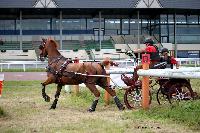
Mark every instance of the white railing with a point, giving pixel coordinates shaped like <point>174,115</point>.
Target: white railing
<point>22,63</point>
<point>187,72</point>
<point>122,63</point>
<point>38,64</point>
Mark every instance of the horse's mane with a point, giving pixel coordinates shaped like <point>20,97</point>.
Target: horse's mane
<point>55,43</point>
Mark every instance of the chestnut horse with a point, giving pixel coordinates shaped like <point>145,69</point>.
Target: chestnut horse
<point>62,71</point>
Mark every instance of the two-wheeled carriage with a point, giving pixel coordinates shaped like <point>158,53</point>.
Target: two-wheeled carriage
<point>169,90</point>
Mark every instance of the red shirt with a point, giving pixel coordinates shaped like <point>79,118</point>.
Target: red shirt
<point>154,55</point>
<point>150,49</point>
<point>173,60</point>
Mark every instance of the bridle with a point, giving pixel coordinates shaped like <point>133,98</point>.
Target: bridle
<point>42,47</point>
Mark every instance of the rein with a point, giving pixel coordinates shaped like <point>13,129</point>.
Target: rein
<point>89,75</point>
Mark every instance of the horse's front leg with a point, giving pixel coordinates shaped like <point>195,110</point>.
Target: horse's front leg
<point>59,88</point>
<point>44,95</point>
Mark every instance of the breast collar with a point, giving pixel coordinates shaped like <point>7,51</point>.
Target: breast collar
<point>55,60</point>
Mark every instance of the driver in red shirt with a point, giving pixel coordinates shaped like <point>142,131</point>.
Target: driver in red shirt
<point>149,49</point>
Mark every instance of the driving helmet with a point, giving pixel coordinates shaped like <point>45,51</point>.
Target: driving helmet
<point>164,50</point>
<point>149,41</point>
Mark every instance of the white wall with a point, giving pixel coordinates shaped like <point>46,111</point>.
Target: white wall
<point>18,55</point>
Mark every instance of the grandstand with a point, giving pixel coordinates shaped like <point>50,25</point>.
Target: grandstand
<point>95,29</point>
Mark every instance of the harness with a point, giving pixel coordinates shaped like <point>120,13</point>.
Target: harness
<point>61,71</point>
<point>58,73</point>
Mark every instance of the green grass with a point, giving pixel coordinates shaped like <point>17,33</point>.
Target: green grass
<point>196,85</point>
<point>22,100</point>
<point>186,113</point>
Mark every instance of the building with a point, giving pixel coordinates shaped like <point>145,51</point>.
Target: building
<point>175,22</point>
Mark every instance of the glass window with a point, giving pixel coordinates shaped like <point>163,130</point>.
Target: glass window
<point>36,24</point>
<point>180,19</point>
<point>192,19</point>
<point>145,22</point>
<point>171,33</point>
<point>17,24</point>
<point>7,24</point>
<point>112,23</point>
<point>163,19</point>
<point>74,24</point>
<point>188,34</point>
<point>55,24</point>
<point>171,19</point>
<point>125,26</point>
<point>94,23</point>
<point>164,31</point>
<point>112,26</point>
<point>188,29</point>
<point>199,19</point>
<point>134,24</point>
<point>156,21</point>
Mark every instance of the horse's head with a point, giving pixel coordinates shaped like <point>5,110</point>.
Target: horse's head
<point>43,51</point>
<point>47,47</point>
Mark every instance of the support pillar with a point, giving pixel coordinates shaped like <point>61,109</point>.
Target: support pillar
<point>175,43</point>
<point>138,29</point>
<point>100,30</point>
<point>20,30</point>
<point>61,28</point>
<point>145,82</point>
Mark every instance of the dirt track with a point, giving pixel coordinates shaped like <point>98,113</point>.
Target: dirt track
<point>22,76</point>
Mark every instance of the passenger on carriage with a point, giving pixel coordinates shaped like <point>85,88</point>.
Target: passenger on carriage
<point>171,61</point>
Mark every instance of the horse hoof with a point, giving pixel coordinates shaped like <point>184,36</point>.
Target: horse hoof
<point>122,108</point>
<point>47,98</point>
<point>91,110</point>
<point>52,107</point>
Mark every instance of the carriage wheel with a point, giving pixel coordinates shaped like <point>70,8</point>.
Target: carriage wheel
<point>161,97</point>
<point>179,92</point>
<point>133,98</point>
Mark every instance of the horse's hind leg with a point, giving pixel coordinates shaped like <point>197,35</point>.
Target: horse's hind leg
<point>44,95</point>
<point>96,93</point>
<point>59,87</point>
<point>112,93</point>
